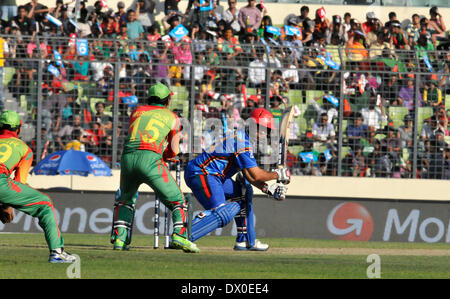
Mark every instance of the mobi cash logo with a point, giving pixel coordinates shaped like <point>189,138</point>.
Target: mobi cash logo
<point>350,221</point>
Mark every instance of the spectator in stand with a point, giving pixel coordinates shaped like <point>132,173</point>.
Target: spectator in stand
<point>413,29</point>
<point>78,141</point>
<point>303,17</point>
<point>323,132</point>
<point>432,95</point>
<point>250,17</point>
<point>337,30</point>
<point>65,133</point>
<point>100,116</point>
<point>437,25</point>
<point>160,61</point>
<point>372,36</point>
<point>110,27</point>
<point>357,131</point>
<point>231,16</point>
<point>8,9</point>
<point>145,12</point>
<point>406,95</point>
<point>398,37</point>
<point>322,23</point>
<point>23,22</point>
<point>406,132</point>
<point>372,115</point>
<point>392,18</point>
<point>52,111</point>
<point>368,25</point>
<point>257,72</point>
<point>135,30</point>
<point>121,15</point>
<point>380,47</point>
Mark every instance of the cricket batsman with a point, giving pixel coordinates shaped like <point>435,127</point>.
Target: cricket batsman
<point>144,161</point>
<point>16,157</point>
<point>210,174</point>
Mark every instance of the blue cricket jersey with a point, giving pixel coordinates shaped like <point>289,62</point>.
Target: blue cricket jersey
<point>224,158</point>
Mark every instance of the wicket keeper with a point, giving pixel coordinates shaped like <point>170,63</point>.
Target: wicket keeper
<point>144,161</point>
<point>210,174</point>
<point>16,157</point>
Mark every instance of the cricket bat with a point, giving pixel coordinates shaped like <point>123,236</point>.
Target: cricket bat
<point>285,127</point>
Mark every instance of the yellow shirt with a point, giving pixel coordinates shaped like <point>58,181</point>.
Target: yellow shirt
<point>2,50</point>
<point>75,145</point>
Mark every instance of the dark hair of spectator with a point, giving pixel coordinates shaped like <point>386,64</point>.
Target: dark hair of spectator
<point>304,8</point>
<point>392,15</point>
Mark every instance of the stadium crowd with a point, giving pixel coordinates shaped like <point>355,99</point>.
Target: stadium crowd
<point>231,49</point>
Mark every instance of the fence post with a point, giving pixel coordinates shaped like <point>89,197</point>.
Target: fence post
<point>341,113</point>
<point>416,121</point>
<point>192,105</point>
<point>117,66</point>
<point>39,106</point>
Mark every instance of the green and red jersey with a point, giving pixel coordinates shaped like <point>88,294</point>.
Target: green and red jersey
<point>150,127</point>
<point>15,155</point>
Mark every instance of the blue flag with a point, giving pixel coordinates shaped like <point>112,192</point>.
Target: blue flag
<point>327,155</point>
<point>53,70</point>
<point>428,63</point>
<point>332,99</point>
<point>291,30</point>
<point>82,47</point>
<point>329,62</point>
<point>178,32</point>
<point>130,101</point>
<point>308,157</point>
<point>53,20</point>
<point>273,30</point>
<point>58,58</point>
<point>206,8</point>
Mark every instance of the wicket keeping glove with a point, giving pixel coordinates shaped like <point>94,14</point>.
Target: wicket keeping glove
<point>277,190</point>
<point>284,175</point>
<point>6,214</point>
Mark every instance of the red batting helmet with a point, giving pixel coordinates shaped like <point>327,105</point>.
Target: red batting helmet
<point>263,117</point>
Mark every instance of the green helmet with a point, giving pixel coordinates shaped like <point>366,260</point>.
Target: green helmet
<point>10,118</point>
<point>159,90</point>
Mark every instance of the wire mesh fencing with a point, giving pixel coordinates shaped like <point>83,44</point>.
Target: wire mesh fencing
<point>358,112</point>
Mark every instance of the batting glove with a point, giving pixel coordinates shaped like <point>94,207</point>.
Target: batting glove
<point>284,176</point>
<point>277,190</point>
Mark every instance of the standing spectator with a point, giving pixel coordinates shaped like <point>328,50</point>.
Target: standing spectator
<point>160,61</point>
<point>145,12</point>
<point>304,12</point>
<point>23,22</point>
<point>121,15</point>
<point>398,37</point>
<point>231,16</point>
<point>134,28</point>
<point>413,29</point>
<point>322,23</point>
<point>170,6</point>
<point>368,25</point>
<point>392,18</point>
<point>250,17</point>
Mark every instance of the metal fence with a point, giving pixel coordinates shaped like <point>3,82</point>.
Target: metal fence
<point>360,112</point>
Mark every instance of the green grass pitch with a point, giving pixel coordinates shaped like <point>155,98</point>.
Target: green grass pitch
<point>25,256</point>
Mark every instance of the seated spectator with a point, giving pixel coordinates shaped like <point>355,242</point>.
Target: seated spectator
<point>406,95</point>
<point>406,132</point>
<point>356,49</point>
<point>323,132</point>
<point>373,115</point>
<point>437,25</point>
<point>65,133</point>
<point>377,49</point>
<point>77,142</point>
<point>257,72</point>
<point>356,131</point>
<point>432,95</point>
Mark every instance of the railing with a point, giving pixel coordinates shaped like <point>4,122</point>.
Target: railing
<point>360,112</point>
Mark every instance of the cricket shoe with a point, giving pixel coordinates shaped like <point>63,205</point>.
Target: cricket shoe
<point>60,256</point>
<point>259,246</point>
<point>184,244</point>
<point>120,245</point>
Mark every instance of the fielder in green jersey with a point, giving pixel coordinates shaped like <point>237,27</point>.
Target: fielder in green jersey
<point>16,157</point>
<point>153,139</point>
